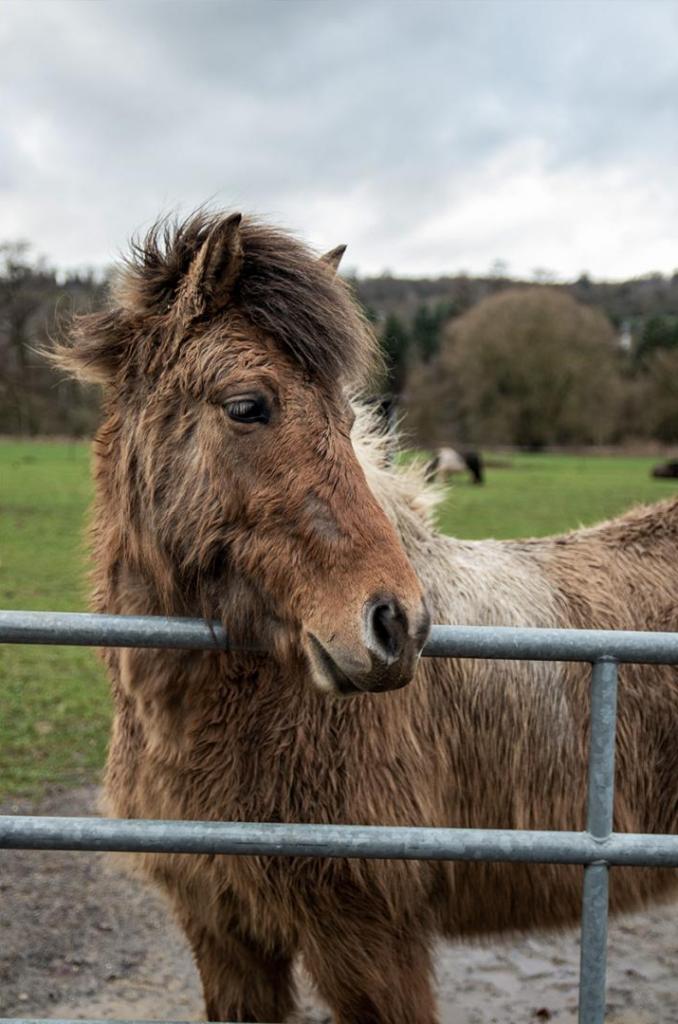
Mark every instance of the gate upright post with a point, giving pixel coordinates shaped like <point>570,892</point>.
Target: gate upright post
<point>600,804</point>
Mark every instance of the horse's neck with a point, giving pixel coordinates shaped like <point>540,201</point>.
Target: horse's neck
<point>485,582</point>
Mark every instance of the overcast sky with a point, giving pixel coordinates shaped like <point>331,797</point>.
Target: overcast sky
<point>430,136</point>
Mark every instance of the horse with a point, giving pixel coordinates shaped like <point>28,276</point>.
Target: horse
<point>448,462</point>
<point>235,480</point>
<point>666,470</point>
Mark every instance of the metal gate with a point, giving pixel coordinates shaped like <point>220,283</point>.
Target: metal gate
<point>597,849</point>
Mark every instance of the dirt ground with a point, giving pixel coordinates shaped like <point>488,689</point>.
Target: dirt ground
<point>78,939</point>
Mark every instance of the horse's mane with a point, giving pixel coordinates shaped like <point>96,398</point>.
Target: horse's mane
<point>283,288</point>
<point>400,487</point>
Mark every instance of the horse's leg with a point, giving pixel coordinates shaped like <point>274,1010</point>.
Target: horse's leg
<point>241,980</point>
<point>372,976</point>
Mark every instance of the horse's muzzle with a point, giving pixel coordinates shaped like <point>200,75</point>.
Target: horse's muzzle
<point>387,658</point>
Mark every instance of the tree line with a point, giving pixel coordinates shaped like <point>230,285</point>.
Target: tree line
<point>470,360</point>
<point>35,301</point>
<point>533,366</point>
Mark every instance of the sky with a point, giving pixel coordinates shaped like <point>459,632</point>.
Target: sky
<point>432,137</point>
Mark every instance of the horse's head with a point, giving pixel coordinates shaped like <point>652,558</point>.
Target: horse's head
<point>225,463</point>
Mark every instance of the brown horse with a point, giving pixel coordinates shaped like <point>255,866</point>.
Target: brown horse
<point>232,483</point>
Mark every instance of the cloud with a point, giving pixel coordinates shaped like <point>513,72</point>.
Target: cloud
<point>429,136</point>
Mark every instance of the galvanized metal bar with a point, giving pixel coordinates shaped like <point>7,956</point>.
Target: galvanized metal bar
<point>593,955</point>
<point>603,731</point>
<point>529,644</point>
<point>369,841</point>
<point>595,901</point>
<point>83,629</point>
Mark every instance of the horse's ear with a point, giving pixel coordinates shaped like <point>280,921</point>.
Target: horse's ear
<point>96,347</point>
<point>214,270</point>
<point>333,258</point>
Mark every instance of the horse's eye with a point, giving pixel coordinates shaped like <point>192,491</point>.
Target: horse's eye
<point>248,410</point>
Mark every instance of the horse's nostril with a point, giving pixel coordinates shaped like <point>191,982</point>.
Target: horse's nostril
<point>386,628</point>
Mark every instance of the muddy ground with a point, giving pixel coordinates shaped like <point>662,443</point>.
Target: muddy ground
<point>78,939</point>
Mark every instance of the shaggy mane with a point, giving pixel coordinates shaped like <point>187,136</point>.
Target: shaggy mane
<point>283,288</point>
<point>407,497</point>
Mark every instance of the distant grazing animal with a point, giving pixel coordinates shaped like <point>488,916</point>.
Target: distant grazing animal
<point>232,482</point>
<point>667,470</point>
<point>448,462</point>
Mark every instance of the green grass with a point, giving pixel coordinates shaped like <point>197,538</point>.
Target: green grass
<point>54,705</point>
<point>543,494</point>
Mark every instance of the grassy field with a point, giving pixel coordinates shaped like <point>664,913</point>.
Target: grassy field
<point>543,494</point>
<point>54,706</point>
